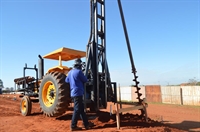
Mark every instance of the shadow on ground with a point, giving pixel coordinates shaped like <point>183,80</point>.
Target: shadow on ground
<point>188,126</point>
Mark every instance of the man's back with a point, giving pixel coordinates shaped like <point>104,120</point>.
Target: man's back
<point>76,79</point>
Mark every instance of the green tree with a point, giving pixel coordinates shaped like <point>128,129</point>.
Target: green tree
<point>198,83</point>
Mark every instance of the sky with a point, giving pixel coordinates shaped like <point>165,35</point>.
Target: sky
<point>164,36</point>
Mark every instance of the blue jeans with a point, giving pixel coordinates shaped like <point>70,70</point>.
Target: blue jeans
<point>78,111</point>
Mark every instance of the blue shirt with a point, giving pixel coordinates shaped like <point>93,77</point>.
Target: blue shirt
<point>76,79</point>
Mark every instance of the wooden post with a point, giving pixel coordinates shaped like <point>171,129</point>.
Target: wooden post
<point>145,112</point>
<point>120,97</point>
<point>117,116</point>
<point>181,96</point>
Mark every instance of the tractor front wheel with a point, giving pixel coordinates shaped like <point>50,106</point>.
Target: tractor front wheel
<point>25,106</point>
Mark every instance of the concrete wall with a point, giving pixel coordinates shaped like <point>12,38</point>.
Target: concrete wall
<point>125,93</point>
<point>191,95</point>
<point>128,93</point>
<point>170,94</point>
<point>183,95</point>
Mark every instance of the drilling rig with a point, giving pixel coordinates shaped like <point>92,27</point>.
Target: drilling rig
<point>51,91</point>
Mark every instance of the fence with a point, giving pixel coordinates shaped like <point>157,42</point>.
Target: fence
<point>183,95</point>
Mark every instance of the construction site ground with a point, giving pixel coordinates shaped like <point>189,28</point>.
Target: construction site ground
<point>162,118</point>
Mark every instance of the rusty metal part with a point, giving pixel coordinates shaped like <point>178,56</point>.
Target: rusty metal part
<point>26,79</point>
<point>153,93</point>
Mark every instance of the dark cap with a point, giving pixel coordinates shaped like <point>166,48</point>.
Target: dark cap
<point>78,62</point>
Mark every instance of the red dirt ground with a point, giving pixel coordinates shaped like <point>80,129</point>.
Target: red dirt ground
<point>162,118</point>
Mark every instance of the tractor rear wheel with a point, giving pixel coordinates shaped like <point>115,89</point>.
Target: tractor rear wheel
<point>25,106</point>
<point>54,94</point>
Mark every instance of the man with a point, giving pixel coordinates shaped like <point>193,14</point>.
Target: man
<point>76,79</point>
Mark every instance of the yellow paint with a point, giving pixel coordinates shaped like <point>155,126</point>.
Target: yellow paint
<point>62,69</point>
<point>47,99</point>
<point>23,106</point>
<point>65,54</point>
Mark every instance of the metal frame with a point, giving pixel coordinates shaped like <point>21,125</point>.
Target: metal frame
<point>96,63</point>
<point>36,70</point>
<point>23,81</point>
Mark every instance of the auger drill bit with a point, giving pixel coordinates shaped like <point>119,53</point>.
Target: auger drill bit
<point>130,54</point>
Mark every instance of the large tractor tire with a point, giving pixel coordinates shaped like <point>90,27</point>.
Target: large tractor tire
<point>25,106</point>
<point>54,94</point>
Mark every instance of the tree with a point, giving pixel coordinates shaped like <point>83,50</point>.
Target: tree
<point>8,89</point>
<point>11,89</point>
<point>193,81</point>
<point>198,83</point>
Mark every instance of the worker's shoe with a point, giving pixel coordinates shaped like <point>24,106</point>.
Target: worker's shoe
<point>89,126</point>
<point>76,128</point>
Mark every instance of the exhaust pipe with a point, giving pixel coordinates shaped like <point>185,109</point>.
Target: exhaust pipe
<point>40,66</point>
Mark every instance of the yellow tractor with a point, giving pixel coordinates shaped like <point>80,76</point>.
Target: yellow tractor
<point>50,90</point>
